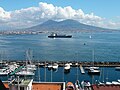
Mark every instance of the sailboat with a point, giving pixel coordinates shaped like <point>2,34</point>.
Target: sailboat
<point>29,68</point>
<point>67,67</point>
<point>55,66</point>
<point>93,70</point>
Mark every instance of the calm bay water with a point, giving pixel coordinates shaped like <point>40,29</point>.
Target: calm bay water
<point>78,48</point>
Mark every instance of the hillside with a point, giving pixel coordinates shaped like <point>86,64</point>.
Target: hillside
<point>66,25</point>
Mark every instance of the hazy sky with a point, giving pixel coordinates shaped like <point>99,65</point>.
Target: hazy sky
<point>26,13</point>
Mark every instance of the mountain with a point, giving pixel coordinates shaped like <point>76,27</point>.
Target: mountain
<point>66,25</point>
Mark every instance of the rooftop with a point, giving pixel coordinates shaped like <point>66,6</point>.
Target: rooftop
<point>47,86</point>
<point>43,85</point>
<point>106,87</point>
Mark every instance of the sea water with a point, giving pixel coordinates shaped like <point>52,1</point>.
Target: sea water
<point>106,47</point>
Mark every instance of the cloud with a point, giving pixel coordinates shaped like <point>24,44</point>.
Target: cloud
<point>3,14</point>
<point>31,16</point>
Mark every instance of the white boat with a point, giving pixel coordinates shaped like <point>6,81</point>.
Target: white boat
<point>108,83</point>
<point>101,83</point>
<point>94,71</point>
<point>25,73</point>
<point>88,68</point>
<point>115,83</point>
<point>67,67</point>
<point>55,66</point>
<point>4,73</point>
<point>7,70</point>
<point>118,80</point>
<point>117,68</point>
<point>50,66</point>
<point>30,67</point>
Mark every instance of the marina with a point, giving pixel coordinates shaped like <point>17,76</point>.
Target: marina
<point>50,68</point>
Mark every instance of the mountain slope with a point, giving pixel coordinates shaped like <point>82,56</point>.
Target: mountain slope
<point>66,25</point>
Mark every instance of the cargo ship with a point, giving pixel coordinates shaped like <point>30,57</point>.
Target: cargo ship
<point>55,35</point>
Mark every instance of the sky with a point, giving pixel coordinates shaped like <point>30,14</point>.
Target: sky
<point>27,13</point>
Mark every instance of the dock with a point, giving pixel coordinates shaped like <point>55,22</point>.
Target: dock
<point>82,70</point>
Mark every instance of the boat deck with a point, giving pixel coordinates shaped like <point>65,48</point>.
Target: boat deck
<point>106,87</point>
<point>47,86</point>
<point>82,70</point>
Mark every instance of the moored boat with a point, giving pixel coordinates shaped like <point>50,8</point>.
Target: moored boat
<point>25,73</point>
<point>88,68</point>
<point>67,67</point>
<point>55,66</point>
<point>93,71</point>
<point>117,68</point>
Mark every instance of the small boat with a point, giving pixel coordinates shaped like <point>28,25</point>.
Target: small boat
<point>25,73</point>
<point>119,80</point>
<point>115,83</point>
<point>4,73</point>
<point>55,35</point>
<point>117,68</point>
<point>88,68</point>
<point>70,86</point>
<point>55,66</point>
<point>101,83</point>
<point>50,66</point>
<point>108,83</point>
<point>67,67</point>
<point>93,71</point>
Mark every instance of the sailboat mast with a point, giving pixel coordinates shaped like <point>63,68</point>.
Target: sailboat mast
<point>63,71</point>
<point>45,72</point>
<point>77,69</point>
<point>38,73</point>
<point>51,72</point>
<point>93,57</point>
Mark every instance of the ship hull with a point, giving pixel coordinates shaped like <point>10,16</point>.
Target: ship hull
<point>60,36</point>
<point>94,73</point>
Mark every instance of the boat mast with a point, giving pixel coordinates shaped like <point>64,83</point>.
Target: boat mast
<point>51,72</point>
<point>63,71</point>
<point>38,72</point>
<point>26,64</point>
<point>77,70</point>
<point>103,74</point>
<point>93,57</point>
<point>45,72</point>
<point>29,55</point>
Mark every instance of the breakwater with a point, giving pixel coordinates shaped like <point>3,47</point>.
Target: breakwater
<point>62,63</point>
